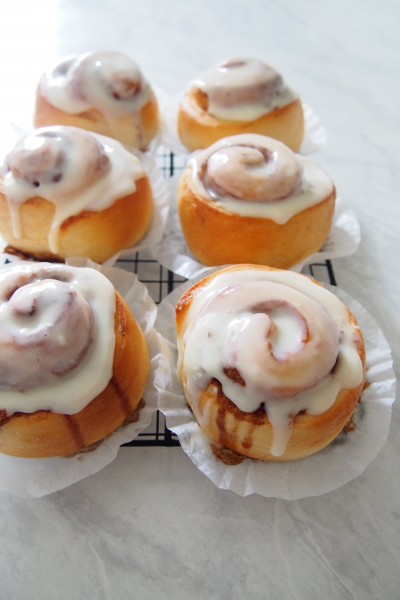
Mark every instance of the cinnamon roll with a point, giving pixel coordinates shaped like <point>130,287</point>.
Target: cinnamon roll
<point>272,364</point>
<point>250,199</point>
<point>68,192</point>
<point>240,96</point>
<point>104,92</point>
<point>73,360</point>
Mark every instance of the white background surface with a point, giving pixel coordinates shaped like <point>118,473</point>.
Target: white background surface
<point>150,525</point>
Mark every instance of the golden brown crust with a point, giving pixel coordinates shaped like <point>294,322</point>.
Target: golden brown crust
<point>240,239</point>
<point>199,129</point>
<point>121,129</point>
<point>45,434</point>
<point>250,434</point>
<point>94,235</point>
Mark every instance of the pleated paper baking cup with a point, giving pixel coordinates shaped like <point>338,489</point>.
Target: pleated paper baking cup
<point>36,477</point>
<point>174,254</point>
<point>337,464</point>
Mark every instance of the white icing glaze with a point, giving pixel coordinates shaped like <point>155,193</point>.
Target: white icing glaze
<point>107,81</point>
<point>276,185</point>
<point>241,89</point>
<point>63,318</point>
<point>235,322</point>
<point>74,169</point>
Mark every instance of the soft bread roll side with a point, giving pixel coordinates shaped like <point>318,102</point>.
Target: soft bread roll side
<point>121,129</point>
<point>217,237</point>
<point>251,434</point>
<point>95,235</point>
<point>199,129</point>
<point>47,434</point>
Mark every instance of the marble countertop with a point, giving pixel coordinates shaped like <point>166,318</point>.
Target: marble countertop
<point>150,525</point>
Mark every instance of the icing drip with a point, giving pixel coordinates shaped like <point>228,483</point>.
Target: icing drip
<point>243,89</point>
<point>56,337</point>
<point>107,81</point>
<point>271,338</point>
<point>256,176</point>
<point>74,169</point>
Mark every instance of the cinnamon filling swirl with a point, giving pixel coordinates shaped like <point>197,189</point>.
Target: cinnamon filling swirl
<point>242,89</point>
<point>272,339</point>
<point>56,337</point>
<point>73,169</point>
<point>47,330</point>
<point>46,157</point>
<point>256,176</point>
<point>108,81</point>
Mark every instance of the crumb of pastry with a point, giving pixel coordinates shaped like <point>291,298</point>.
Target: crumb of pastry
<point>366,384</point>
<point>228,457</point>
<point>350,425</point>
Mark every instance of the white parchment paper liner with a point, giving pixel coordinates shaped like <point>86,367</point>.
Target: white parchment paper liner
<point>173,253</point>
<point>343,460</point>
<point>160,188</point>
<point>314,132</point>
<point>36,477</point>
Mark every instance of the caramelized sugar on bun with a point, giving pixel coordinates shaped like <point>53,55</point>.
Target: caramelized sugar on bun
<point>73,361</point>
<point>250,199</point>
<point>68,192</point>
<point>104,92</point>
<point>272,364</point>
<point>240,96</point>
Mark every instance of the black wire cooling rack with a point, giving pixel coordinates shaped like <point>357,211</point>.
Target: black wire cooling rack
<point>160,282</point>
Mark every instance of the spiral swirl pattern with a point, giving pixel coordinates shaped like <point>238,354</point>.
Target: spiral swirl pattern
<point>260,173</point>
<point>242,89</point>
<point>66,158</point>
<point>57,337</point>
<point>256,176</point>
<point>46,331</point>
<point>92,77</point>
<point>107,81</point>
<point>241,81</point>
<point>272,343</point>
<point>262,341</point>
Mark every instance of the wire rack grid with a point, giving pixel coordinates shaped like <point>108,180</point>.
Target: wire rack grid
<point>160,282</point>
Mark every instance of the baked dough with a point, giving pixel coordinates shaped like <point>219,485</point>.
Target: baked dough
<point>103,92</point>
<point>67,192</point>
<point>272,364</point>
<point>249,199</point>
<point>49,432</point>
<point>240,96</point>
